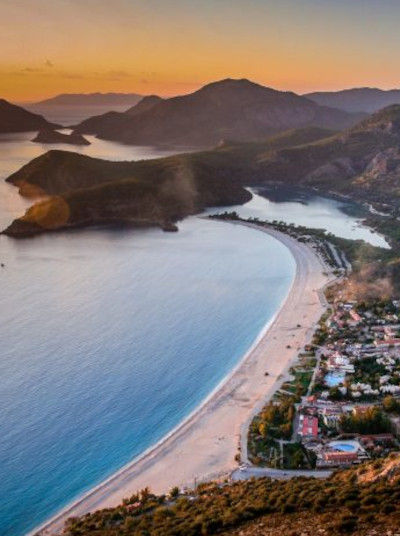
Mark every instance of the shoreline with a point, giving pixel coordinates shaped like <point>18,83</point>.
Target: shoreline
<point>206,441</point>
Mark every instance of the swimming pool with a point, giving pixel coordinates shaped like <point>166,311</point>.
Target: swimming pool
<point>332,379</point>
<point>345,446</point>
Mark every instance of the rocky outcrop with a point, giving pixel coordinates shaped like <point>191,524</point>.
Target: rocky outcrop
<point>53,136</point>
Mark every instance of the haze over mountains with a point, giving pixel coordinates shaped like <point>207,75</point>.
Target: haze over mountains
<point>364,99</point>
<point>69,108</point>
<point>92,99</point>
<point>238,110</point>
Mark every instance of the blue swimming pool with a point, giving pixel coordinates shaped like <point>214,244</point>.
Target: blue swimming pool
<point>345,446</point>
<point>332,379</point>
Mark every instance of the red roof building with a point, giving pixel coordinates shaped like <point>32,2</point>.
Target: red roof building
<point>336,457</point>
<point>308,426</point>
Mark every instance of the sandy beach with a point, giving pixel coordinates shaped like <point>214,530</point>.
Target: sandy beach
<point>205,444</point>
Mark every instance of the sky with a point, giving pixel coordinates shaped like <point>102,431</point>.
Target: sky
<point>171,47</point>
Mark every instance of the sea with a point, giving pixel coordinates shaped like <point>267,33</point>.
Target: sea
<point>111,336</point>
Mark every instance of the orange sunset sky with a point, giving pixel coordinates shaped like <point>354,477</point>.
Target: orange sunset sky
<point>173,46</point>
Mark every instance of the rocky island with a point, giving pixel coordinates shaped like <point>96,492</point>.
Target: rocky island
<point>47,135</point>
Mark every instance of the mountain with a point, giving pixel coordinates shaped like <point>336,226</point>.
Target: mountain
<point>362,162</point>
<point>52,136</point>
<point>143,105</point>
<point>364,99</point>
<point>16,119</point>
<point>91,99</point>
<point>230,109</point>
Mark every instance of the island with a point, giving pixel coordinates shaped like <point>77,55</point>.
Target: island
<point>53,136</point>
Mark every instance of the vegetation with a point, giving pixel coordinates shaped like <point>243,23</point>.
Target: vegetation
<point>391,404</point>
<point>348,500</point>
<point>372,421</point>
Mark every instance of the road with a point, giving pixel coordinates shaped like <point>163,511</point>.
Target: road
<point>278,474</point>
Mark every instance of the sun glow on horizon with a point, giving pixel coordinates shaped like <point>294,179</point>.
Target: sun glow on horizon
<point>171,47</point>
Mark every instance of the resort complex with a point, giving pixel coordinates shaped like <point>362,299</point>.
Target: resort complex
<point>340,405</point>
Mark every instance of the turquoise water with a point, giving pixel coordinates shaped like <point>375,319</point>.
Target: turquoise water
<point>110,337</point>
<point>309,209</point>
<point>344,447</point>
<point>332,379</point>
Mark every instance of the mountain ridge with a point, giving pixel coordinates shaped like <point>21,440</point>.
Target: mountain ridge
<point>96,98</point>
<point>240,110</point>
<point>362,99</point>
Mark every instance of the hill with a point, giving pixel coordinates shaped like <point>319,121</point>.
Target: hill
<point>143,105</point>
<point>88,191</point>
<point>363,99</point>
<point>91,99</point>
<point>343,504</point>
<point>362,162</point>
<point>239,110</point>
<point>16,119</point>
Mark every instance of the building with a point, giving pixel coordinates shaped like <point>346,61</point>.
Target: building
<point>331,416</point>
<point>339,458</point>
<point>308,427</point>
<point>387,343</point>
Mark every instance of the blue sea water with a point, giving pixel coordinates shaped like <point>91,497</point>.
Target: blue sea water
<point>109,338</point>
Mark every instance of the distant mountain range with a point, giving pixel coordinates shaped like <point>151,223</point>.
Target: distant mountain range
<point>91,99</point>
<point>364,99</point>
<point>16,119</point>
<point>362,162</point>
<point>237,110</point>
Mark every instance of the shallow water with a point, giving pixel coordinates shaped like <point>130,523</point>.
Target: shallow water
<point>341,218</point>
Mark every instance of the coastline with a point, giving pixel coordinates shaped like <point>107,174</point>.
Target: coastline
<point>206,441</point>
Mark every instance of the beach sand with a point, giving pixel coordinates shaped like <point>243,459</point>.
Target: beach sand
<point>204,446</point>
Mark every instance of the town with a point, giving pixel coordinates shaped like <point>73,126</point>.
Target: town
<point>341,405</point>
